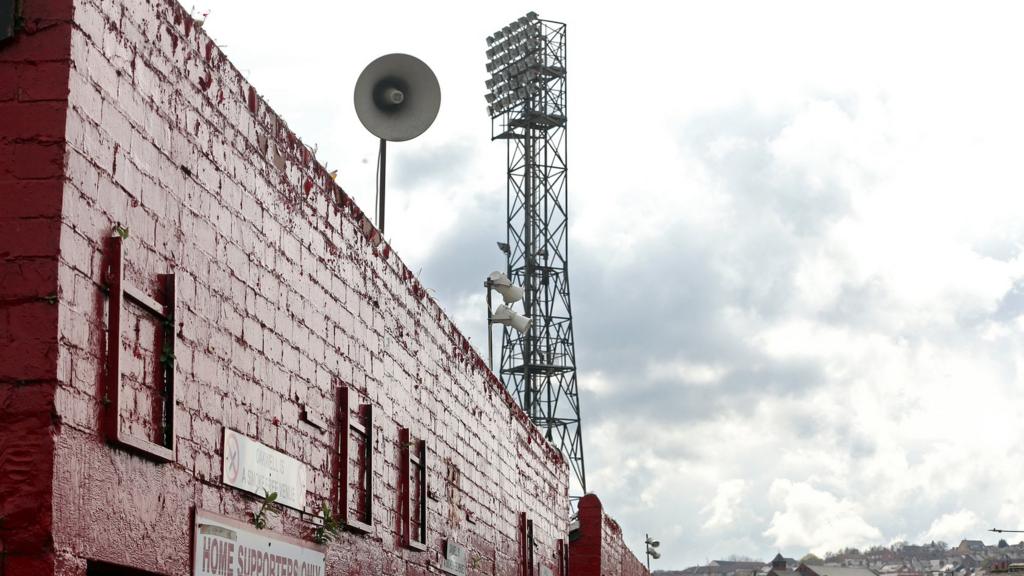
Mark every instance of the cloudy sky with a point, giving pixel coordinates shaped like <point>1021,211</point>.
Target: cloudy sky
<point>796,246</point>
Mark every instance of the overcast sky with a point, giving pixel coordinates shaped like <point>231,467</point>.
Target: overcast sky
<point>796,240</point>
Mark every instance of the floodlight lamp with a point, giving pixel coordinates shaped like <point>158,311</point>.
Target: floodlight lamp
<point>490,110</point>
<point>654,554</point>
<point>490,40</point>
<point>531,15</point>
<point>489,97</point>
<point>503,246</point>
<point>505,315</point>
<point>522,20</point>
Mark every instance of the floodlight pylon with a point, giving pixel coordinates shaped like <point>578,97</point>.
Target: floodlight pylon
<point>538,366</point>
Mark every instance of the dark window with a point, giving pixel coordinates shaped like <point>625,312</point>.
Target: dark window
<point>96,568</point>
<point>355,485</point>
<point>140,363</point>
<point>563,557</point>
<point>8,16</point>
<point>525,545</point>
<point>414,490</point>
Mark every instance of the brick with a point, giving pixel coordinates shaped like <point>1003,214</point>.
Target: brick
<point>31,238</point>
<point>43,81</point>
<point>49,43</point>
<point>37,160</point>
<point>49,10</point>
<point>31,199</point>
<point>27,278</point>
<point>33,120</point>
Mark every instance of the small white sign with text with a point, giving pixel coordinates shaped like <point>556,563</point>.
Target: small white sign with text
<point>258,468</point>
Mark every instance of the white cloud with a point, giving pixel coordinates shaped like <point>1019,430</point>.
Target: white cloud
<point>816,519</point>
<point>682,371</point>
<point>721,511</point>
<point>952,527</point>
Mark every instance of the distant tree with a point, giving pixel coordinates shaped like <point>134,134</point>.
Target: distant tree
<point>877,549</point>
<point>942,545</point>
<point>1003,544</point>
<point>811,560</point>
<point>741,558</point>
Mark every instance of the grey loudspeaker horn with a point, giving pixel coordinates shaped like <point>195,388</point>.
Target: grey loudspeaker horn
<point>397,97</point>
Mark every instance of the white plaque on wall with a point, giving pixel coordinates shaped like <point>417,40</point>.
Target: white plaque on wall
<point>258,468</point>
<point>455,559</point>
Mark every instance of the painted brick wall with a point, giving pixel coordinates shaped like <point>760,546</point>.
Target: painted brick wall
<point>33,102</point>
<point>598,548</point>
<point>285,292</point>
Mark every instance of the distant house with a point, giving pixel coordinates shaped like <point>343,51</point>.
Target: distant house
<point>782,567</point>
<point>735,568</point>
<point>719,568</point>
<point>805,570</point>
<point>970,546</point>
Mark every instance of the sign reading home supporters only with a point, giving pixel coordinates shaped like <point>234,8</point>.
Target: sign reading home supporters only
<point>226,547</point>
<point>256,467</point>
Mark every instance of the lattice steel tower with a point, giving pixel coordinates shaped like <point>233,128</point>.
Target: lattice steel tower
<point>527,105</point>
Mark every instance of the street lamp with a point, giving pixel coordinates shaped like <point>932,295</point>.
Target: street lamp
<point>651,552</point>
<point>510,294</point>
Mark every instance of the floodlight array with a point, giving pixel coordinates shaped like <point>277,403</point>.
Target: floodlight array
<point>514,59</point>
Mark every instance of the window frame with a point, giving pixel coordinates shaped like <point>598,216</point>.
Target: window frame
<point>361,424</point>
<point>414,460</point>
<point>122,292</point>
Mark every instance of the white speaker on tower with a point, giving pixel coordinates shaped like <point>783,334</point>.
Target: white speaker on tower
<point>397,98</point>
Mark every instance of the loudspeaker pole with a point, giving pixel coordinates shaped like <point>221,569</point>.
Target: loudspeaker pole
<point>380,184</point>
<point>527,105</point>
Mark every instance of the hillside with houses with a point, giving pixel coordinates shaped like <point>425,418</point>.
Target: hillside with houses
<point>969,558</point>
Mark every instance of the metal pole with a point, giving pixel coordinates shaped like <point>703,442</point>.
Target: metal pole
<point>490,336</point>
<point>380,188</point>
<point>647,547</point>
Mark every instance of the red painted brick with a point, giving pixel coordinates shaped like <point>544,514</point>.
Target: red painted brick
<point>38,119</point>
<point>42,42</point>
<point>597,548</point>
<point>37,237</point>
<point>31,199</point>
<point>43,81</point>
<point>38,160</point>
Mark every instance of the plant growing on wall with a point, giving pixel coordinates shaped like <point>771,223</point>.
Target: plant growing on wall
<point>329,529</point>
<point>259,518</point>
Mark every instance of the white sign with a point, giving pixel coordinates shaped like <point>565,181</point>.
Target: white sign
<point>226,547</point>
<point>455,559</point>
<point>256,467</point>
